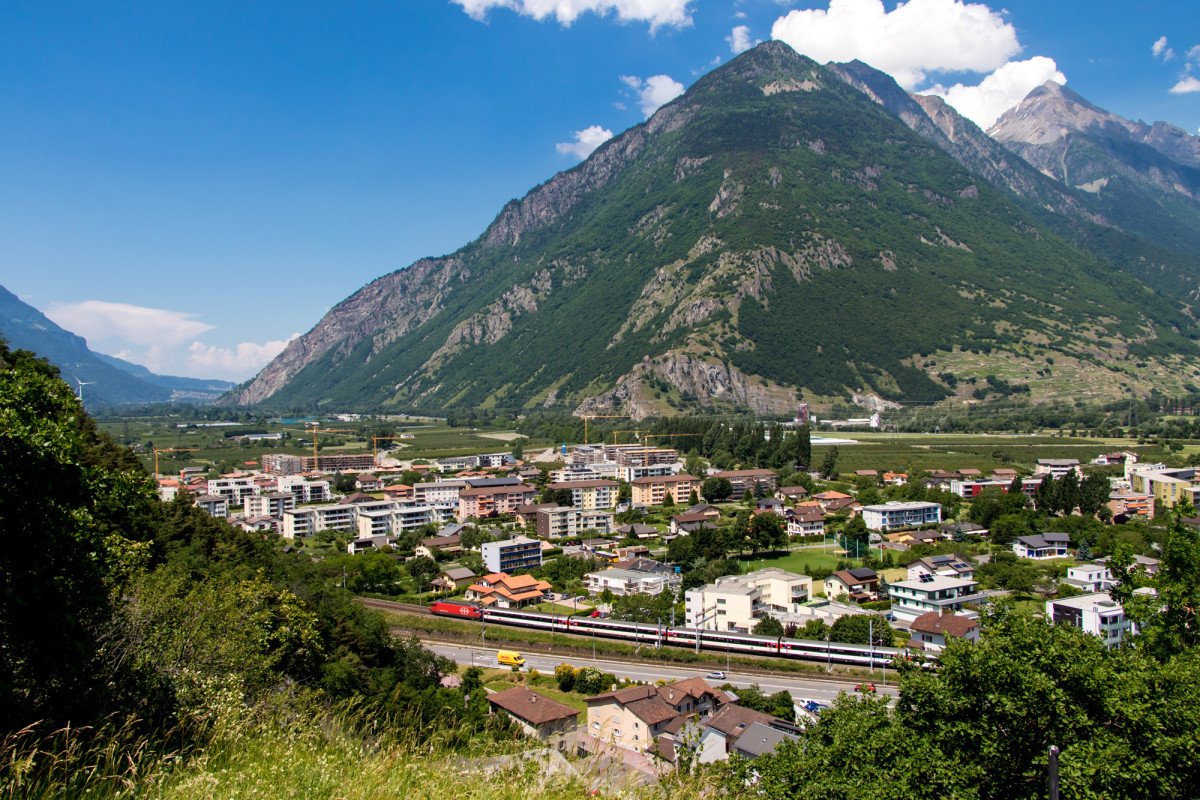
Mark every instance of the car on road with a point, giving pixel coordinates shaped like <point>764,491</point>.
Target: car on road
<point>716,676</point>
<point>866,688</point>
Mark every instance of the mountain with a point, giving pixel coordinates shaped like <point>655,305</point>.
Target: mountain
<point>1101,227</point>
<point>775,233</point>
<point>1145,178</point>
<point>109,381</point>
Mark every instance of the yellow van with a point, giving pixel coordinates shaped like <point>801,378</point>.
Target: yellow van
<point>509,658</point>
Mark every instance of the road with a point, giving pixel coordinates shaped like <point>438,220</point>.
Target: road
<point>823,691</point>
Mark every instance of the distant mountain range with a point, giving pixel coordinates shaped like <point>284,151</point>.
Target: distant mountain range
<point>107,381</point>
<point>786,231</point>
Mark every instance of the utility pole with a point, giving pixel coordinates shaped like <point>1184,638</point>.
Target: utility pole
<point>1053,770</point>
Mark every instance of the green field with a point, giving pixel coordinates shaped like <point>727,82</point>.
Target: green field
<point>924,452</point>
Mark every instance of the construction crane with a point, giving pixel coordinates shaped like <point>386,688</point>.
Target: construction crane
<point>315,430</point>
<point>587,417</point>
<point>171,450</point>
<point>645,437</point>
<point>375,439</point>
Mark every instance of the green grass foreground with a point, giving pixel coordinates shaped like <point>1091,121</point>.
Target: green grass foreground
<point>298,754</point>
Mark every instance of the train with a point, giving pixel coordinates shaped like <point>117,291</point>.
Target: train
<point>861,655</point>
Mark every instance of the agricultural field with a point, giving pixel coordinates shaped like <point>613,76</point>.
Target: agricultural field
<point>185,442</point>
<point>923,452</point>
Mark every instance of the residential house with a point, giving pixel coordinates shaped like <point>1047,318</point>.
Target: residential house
<point>760,739</point>
<point>965,528</point>
<point>683,524</point>
<point>792,493</point>
<point>449,580</point>
<point>367,544</point>
<point>721,732</point>
<point>938,593</point>
<point>825,498</point>
<point>1096,613</point>
<point>895,478</point>
<point>636,530</point>
<point>1044,546</point>
<point>366,482</point>
<point>519,552</point>
<point>770,504</point>
<point>630,581</point>
<point>891,515</point>
<point>867,473</point>
<point>634,717</point>
<point>1146,564</point>
<point>843,505</point>
<point>448,545</point>
<point>807,522</point>
<point>859,585</point>
<point>933,629</point>
<point>535,714</point>
<point>507,591</point>
<point>735,602</point>
<point>1090,578</point>
<point>400,492</point>
<point>712,512</point>
<point>947,566</point>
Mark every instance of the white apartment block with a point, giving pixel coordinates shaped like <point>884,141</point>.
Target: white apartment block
<point>232,487</point>
<point>628,581</point>
<point>1096,613</point>
<point>438,493</point>
<point>602,470</point>
<point>268,505</point>
<point>309,520</point>
<point>735,602</point>
<point>901,515</point>
<point>304,491</point>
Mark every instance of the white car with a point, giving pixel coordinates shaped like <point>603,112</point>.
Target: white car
<point>716,676</point>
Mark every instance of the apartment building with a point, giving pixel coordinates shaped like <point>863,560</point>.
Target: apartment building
<point>1055,467</point>
<point>304,490</point>
<point>437,493</point>
<point>510,555</point>
<point>589,494</point>
<point>889,516</point>
<point>603,470</point>
<point>490,496</point>
<point>744,480</point>
<point>1168,487</point>
<point>630,581</point>
<point>651,491</point>
<point>735,602</point>
<point>565,522</point>
<point>268,505</point>
<point>232,487</point>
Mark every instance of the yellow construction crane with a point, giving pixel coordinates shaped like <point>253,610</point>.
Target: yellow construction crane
<point>315,430</point>
<point>171,450</point>
<point>376,439</point>
<point>587,417</point>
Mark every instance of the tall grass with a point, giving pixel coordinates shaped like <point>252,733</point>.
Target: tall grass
<point>286,752</point>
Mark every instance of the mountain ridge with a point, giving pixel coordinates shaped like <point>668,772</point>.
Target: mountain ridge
<point>669,261</point>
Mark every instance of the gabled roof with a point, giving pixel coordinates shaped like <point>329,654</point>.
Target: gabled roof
<point>534,708</point>
<point>760,739</point>
<point>946,624</point>
<point>732,720</point>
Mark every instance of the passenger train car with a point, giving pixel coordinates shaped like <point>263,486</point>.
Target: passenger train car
<point>650,634</point>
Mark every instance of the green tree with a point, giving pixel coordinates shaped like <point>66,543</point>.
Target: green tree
<point>767,531</point>
<point>829,464</point>
<point>768,626</point>
<point>716,489</point>
<point>860,629</point>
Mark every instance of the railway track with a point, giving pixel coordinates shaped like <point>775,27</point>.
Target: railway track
<point>584,642</point>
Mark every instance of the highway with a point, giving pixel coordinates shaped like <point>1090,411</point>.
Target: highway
<point>820,689</point>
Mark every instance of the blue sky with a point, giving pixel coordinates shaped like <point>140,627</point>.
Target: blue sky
<point>190,184</point>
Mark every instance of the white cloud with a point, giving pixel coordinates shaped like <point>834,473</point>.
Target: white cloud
<point>917,38</point>
<point>1194,54</point>
<point>657,12</point>
<point>1000,91</point>
<point>1160,49</point>
<point>1186,86</point>
<point>739,39</point>
<point>653,92</point>
<point>99,320</point>
<point>242,361</point>
<point>585,142</point>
